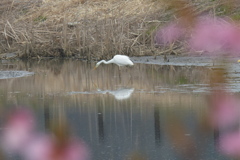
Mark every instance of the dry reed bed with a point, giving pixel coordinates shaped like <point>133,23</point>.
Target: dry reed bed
<point>87,29</point>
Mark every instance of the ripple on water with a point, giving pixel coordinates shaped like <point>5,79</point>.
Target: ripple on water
<point>14,74</point>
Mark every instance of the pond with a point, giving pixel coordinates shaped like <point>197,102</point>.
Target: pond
<point>148,111</point>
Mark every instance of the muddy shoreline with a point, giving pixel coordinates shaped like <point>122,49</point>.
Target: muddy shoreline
<point>174,60</point>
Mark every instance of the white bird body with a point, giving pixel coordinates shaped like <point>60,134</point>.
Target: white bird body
<point>120,60</point>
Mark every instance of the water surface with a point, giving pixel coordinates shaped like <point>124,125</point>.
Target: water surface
<point>152,111</point>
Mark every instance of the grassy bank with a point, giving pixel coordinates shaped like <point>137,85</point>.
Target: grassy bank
<point>94,29</point>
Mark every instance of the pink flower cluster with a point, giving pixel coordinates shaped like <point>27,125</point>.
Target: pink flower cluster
<point>169,33</point>
<point>209,35</point>
<point>20,137</point>
<point>224,110</point>
<point>224,117</point>
<point>229,144</point>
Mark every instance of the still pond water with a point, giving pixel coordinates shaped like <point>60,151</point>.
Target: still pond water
<point>151,111</point>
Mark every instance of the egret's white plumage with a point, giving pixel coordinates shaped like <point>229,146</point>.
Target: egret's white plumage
<point>120,60</point>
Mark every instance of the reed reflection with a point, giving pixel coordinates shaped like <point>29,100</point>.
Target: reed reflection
<point>100,116</point>
<point>157,130</point>
<point>54,77</point>
<point>216,135</point>
<point>46,112</point>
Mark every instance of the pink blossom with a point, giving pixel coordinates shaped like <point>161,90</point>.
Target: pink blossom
<point>75,150</point>
<point>169,33</point>
<point>40,147</point>
<point>19,129</point>
<point>210,35</point>
<point>44,147</point>
<point>229,144</point>
<point>215,36</point>
<point>20,137</point>
<point>224,110</point>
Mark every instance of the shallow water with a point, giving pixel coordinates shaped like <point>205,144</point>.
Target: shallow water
<point>149,110</point>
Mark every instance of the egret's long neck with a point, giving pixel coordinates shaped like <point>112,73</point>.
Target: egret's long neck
<point>105,62</point>
<point>108,62</point>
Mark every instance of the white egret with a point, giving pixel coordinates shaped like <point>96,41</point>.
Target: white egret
<point>120,60</point>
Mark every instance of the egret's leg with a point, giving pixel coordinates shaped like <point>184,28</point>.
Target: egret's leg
<point>119,73</point>
<point>130,78</point>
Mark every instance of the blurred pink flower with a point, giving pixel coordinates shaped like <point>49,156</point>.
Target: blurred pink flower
<point>20,137</point>
<point>19,129</point>
<point>75,150</point>
<point>43,147</point>
<point>210,35</point>
<point>215,35</point>
<point>169,34</point>
<point>40,147</point>
<point>224,110</point>
<point>229,144</point>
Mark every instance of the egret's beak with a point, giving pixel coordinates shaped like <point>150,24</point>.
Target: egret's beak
<point>239,61</point>
<point>95,68</point>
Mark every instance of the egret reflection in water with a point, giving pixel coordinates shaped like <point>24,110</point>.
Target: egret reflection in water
<point>119,94</point>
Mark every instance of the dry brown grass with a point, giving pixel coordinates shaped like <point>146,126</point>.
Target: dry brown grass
<point>89,29</point>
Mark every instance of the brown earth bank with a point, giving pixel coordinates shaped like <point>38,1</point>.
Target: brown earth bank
<point>96,29</point>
